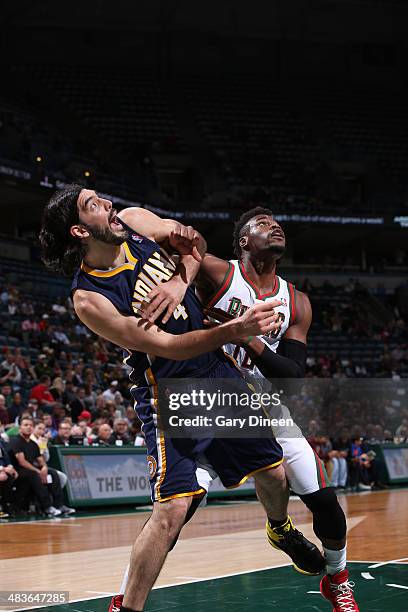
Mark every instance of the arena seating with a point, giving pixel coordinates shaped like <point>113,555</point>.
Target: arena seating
<point>249,125</point>
<point>252,130</point>
<point>359,339</point>
<point>126,107</point>
<point>366,122</point>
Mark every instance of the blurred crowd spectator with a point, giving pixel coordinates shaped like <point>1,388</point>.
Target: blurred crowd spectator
<point>349,417</point>
<point>64,385</point>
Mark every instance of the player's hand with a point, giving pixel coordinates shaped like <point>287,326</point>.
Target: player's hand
<point>44,474</point>
<point>184,239</point>
<point>259,320</point>
<point>163,298</point>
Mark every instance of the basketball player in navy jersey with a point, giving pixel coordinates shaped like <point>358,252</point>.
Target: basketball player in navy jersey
<point>118,263</point>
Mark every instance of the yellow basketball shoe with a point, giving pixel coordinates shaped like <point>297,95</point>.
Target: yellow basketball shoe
<point>306,557</point>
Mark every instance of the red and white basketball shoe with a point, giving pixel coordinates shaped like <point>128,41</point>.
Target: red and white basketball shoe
<point>339,591</point>
<point>116,603</point>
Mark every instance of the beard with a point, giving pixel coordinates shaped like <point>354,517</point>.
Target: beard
<point>106,235</point>
<point>277,249</point>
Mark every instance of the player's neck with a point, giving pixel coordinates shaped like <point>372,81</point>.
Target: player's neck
<point>261,272</point>
<point>103,256</point>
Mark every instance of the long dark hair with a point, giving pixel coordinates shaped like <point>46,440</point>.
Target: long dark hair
<point>60,250</point>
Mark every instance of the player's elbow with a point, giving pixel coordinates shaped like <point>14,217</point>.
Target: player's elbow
<point>82,306</point>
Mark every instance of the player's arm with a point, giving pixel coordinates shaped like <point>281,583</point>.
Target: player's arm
<point>213,272</point>
<point>134,334</point>
<point>185,240</point>
<point>290,359</point>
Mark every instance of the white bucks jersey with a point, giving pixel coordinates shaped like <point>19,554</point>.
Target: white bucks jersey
<point>238,293</point>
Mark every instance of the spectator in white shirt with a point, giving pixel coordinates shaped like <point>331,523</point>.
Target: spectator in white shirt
<point>109,394</point>
<point>11,373</point>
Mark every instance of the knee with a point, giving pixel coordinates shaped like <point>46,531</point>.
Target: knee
<point>271,477</point>
<point>329,520</point>
<point>169,516</point>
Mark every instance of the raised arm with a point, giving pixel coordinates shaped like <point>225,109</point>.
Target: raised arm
<point>131,333</point>
<point>213,272</point>
<point>185,240</point>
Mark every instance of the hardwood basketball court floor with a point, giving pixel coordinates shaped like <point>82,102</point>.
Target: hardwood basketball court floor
<point>221,563</point>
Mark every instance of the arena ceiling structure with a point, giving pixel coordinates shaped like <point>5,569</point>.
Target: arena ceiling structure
<point>223,35</point>
<point>294,18</point>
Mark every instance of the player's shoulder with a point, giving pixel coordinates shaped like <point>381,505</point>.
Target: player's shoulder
<point>211,260</point>
<point>132,212</point>
<point>303,307</point>
<point>138,220</point>
<point>301,296</point>
<point>215,269</point>
<point>300,304</point>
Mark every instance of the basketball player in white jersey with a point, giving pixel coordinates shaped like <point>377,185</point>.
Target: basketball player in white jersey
<point>232,287</point>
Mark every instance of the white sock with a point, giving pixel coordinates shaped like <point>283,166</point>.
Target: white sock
<point>124,581</point>
<point>335,560</point>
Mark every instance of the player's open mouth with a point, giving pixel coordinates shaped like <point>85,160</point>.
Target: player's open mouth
<point>114,223</point>
<point>277,235</point>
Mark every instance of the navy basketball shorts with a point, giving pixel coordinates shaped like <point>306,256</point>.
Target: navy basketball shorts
<point>172,462</point>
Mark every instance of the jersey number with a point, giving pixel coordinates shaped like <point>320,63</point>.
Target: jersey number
<point>247,361</point>
<point>275,334</point>
<point>180,311</point>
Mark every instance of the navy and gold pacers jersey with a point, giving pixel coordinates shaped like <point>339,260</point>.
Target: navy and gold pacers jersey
<point>147,265</point>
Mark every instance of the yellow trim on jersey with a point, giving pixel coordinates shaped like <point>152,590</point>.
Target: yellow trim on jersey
<point>189,494</point>
<point>129,255</point>
<point>262,469</point>
<point>162,444</point>
<point>130,265</point>
<point>231,358</point>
